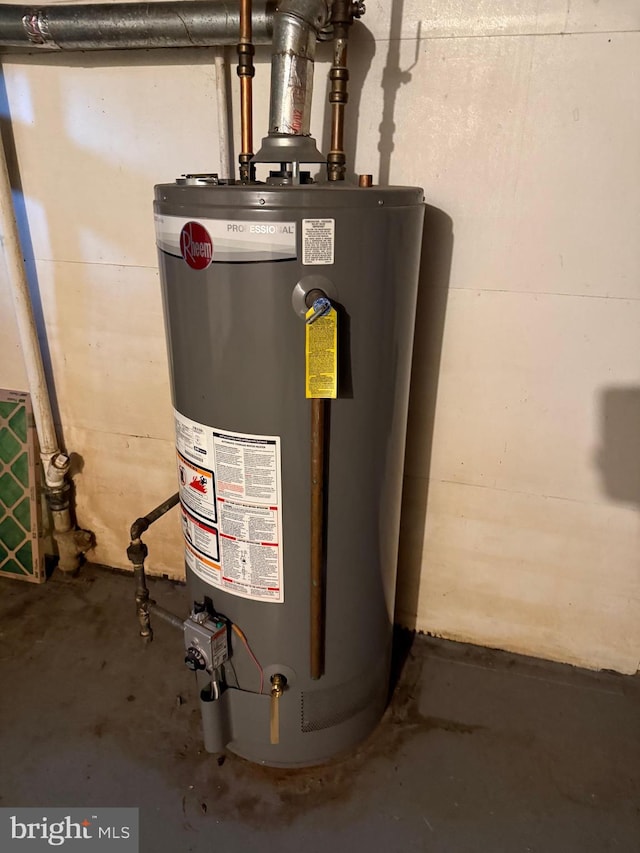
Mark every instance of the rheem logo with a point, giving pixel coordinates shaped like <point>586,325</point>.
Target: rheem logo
<point>196,245</point>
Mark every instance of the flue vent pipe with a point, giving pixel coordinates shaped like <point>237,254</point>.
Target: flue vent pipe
<point>295,31</point>
<point>130,26</point>
<point>296,26</point>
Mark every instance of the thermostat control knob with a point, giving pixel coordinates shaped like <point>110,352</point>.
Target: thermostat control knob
<point>194,659</point>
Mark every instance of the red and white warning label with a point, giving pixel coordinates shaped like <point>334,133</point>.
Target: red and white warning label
<point>231,496</point>
<point>202,537</point>
<point>197,489</point>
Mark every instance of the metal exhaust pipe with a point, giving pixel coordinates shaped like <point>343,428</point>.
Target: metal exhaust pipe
<point>296,26</point>
<point>131,26</point>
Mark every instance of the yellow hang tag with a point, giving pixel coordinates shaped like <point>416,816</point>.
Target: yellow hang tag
<point>322,356</point>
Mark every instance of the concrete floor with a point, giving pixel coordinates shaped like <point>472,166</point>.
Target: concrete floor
<point>480,752</point>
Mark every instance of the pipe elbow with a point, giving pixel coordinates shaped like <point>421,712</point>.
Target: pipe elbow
<point>72,544</point>
<point>56,470</point>
<point>315,13</point>
<point>138,528</point>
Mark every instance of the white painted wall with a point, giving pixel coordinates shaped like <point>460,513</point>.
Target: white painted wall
<point>522,122</point>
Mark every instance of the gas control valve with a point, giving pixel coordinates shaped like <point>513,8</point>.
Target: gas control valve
<point>205,641</point>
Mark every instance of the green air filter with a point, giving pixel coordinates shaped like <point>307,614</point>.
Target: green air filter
<point>19,480</point>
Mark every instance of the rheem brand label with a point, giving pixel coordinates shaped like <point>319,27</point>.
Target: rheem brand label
<point>196,245</point>
<point>225,241</point>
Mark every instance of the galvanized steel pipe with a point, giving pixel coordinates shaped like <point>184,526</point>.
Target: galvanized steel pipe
<point>128,26</point>
<point>295,31</point>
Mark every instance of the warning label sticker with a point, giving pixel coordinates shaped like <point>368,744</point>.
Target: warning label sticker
<point>205,241</point>
<point>318,241</point>
<point>197,488</point>
<point>201,537</point>
<point>231,495</point>
<point>322,356</point>
<point>207,570</point>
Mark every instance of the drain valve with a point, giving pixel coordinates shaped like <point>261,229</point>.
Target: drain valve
<point>278,684</point>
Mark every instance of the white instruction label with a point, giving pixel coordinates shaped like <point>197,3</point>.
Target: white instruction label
<point>318,241</point>
<point>231,496</point>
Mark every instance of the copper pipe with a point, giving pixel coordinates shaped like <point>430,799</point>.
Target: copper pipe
<point>337,111</point>
<point>245,21</point>
<point>246,72</point>
<point>246,117</point>
<point>337,128</point>
<point>317,537</point>
<point>338,97</point>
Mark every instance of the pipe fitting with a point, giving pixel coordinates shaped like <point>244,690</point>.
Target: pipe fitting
<point>72,544</point>
<point>56,469</point>
<point>139,526</point>
<point>58,499</point>
<point>137,553</point>
<point>313,12</point>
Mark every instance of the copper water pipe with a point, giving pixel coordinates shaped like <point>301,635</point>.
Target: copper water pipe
<point>246,119</point>
<point>246,71</point>
<point>337,128</point>
<point>341,17</point>
<point>318,411</point>
<point>246,83</point>
<point>338,107</point>
<point>245,21</point>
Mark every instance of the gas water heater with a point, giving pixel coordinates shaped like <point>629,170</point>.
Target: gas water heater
<point>289,306</point>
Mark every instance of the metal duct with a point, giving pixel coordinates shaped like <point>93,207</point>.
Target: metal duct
<point>294,48</point>
<point>127,26</point>
<point>296,27</point>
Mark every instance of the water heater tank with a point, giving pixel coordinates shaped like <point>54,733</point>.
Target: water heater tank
<point>238,264</point>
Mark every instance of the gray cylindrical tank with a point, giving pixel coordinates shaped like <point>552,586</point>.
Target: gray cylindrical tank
<point>230,260</point>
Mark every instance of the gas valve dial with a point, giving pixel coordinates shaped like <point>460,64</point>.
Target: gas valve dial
<point>194,659</point>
